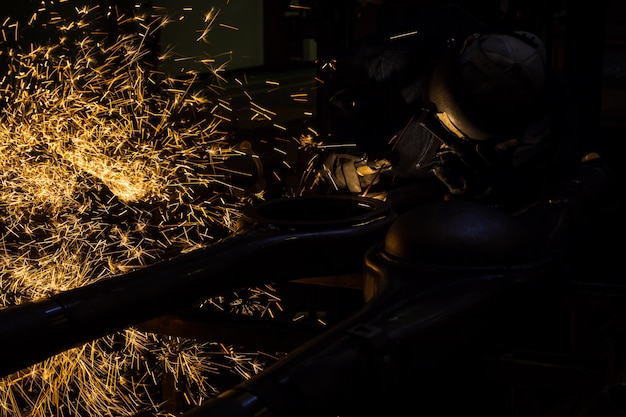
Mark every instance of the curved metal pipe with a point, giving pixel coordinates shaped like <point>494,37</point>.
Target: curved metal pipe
<point>420,312</point>
<point>444,274</point>
<point>278,240</point>
<point>360,362</point>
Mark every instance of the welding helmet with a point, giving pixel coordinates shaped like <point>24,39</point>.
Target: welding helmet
<point>490,86</point>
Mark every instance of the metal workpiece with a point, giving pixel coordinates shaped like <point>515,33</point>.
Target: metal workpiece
<point>321,236</point>
<point>422,314</point>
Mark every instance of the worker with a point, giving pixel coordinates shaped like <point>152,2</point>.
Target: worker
<point>451,100</point>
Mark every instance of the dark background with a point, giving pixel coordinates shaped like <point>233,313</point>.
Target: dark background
<point>586,43</point>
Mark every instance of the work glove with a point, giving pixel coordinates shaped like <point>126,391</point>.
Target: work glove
<point>353,173</point>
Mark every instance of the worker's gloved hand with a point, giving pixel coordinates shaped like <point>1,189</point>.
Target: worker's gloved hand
<point>353,173</point>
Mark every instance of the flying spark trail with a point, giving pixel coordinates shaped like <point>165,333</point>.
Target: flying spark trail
<point>107,166</point>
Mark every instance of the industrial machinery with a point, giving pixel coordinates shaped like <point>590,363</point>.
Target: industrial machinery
<point>465,308</point>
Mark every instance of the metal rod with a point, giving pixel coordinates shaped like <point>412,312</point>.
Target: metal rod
<point>279,240</point>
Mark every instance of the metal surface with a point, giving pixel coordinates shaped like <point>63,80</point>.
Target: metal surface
<point>422,314</point>
<point>322,236</point>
